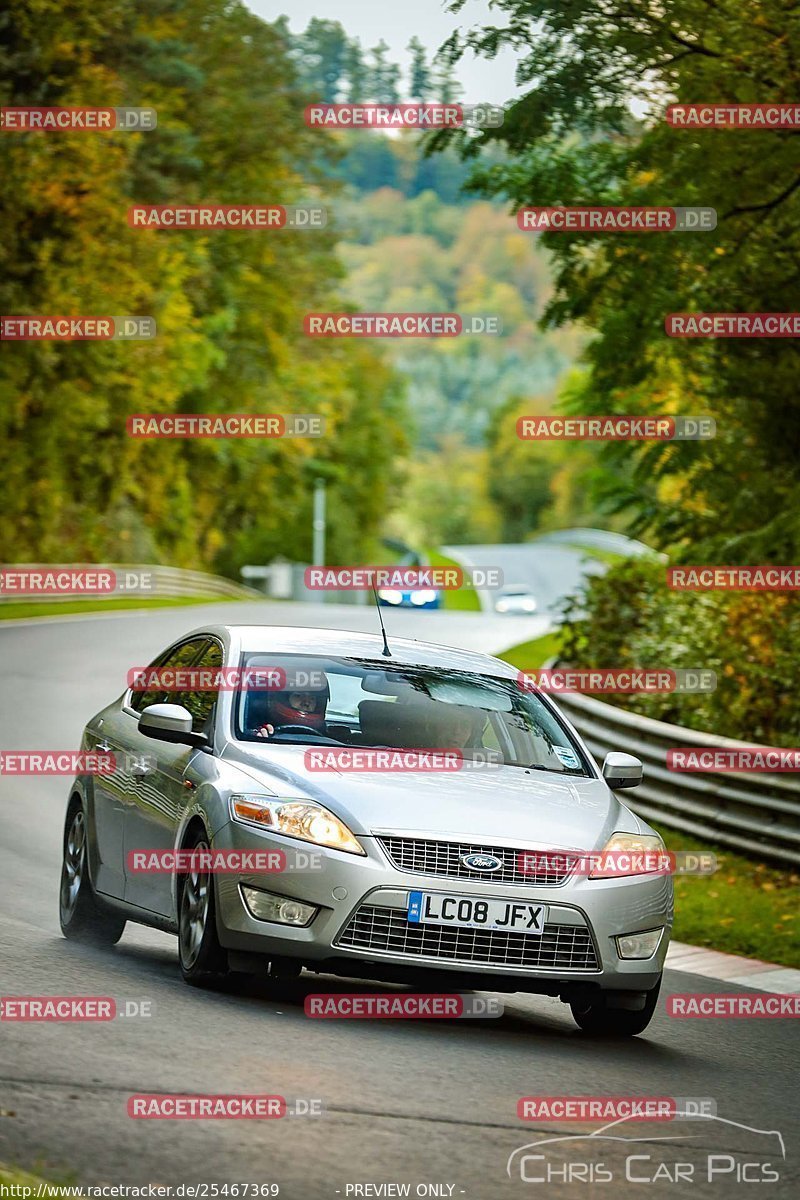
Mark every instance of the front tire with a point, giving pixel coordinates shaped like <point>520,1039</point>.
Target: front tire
<point>80,916</point>
<point>203,960</point>
<point>595,1018</point>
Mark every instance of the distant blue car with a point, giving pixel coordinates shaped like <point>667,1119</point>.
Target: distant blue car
<point>413,598</point>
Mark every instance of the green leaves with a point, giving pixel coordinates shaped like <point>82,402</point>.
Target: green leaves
<point>589,129</point>
<point>229,305</point>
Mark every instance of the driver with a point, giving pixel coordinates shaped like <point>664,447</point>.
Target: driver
<point>305,707</point>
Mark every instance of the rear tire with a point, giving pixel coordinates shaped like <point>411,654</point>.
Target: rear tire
<point>595,1018</point>
<point>203,960</point>
<point>80,916</point>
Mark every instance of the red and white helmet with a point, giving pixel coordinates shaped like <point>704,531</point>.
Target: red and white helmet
<point>303,705</point>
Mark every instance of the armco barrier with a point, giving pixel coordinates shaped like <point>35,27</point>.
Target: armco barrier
<point>758,814</point>
<point>166,581</point>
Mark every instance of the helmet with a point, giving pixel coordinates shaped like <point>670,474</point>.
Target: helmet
<point>302,705</point>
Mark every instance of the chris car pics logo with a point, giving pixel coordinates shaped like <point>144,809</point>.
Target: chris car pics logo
<point>700,1149</point>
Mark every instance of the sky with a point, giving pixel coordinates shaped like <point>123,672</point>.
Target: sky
<point>486,80</point>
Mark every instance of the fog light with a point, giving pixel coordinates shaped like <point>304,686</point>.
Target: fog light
<point>266,906</point>
<point>639,945</point>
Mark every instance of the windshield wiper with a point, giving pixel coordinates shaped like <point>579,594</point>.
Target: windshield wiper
<point>550,770</point>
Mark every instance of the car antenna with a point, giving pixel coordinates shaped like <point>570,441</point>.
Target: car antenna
<point>386,649</point>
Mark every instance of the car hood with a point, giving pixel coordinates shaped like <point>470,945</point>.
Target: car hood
<point>500,804</point>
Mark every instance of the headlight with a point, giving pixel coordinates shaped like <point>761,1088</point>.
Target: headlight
<point>267,906</point>
<point>390,595</point>
<point>501,606</point>
<point>304,819</point>
<point>423,597</point>
<point>639,945</point>
<point>631,854</point>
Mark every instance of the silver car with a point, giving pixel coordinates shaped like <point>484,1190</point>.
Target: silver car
<point>420,817</point>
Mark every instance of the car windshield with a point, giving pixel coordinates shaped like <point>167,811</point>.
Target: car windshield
<point>315,700</point>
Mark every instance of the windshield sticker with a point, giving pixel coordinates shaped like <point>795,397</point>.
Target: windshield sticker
<point>567,757</point>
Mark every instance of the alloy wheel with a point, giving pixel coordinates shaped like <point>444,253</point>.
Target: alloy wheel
<point>194,912</point>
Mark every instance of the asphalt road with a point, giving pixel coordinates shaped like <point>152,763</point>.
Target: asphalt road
<point>405,1102</point>
<point>550,571</point>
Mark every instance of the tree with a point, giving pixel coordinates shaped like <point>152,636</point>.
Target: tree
<point>420,73</point>
<point>323,52</point>
<point>446,86</point>
<point>229,305</point>
<point>384,76</point>
<point>356,71</point>
<point>589,128</point>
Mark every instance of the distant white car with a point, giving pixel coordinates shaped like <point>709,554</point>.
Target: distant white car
<point>516,599</point>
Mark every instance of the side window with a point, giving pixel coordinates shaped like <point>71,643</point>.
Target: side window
<point>183,656</point>
<point>201,704</point>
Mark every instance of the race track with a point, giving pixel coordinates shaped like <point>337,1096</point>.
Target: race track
<point>405,1102</point>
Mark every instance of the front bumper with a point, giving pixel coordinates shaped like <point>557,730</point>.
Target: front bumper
<point>361,927</point>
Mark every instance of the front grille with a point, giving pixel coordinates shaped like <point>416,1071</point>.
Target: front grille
<point>559,947</point>
<point>426,857</point>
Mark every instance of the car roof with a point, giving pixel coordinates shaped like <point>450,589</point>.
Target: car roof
<point>346,643</point>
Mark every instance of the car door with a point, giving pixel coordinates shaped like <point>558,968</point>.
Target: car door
<point>108,797</point>
<point>114,731</point>
<point>161,794</point>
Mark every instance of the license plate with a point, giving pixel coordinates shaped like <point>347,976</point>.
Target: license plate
<point>469,912</point>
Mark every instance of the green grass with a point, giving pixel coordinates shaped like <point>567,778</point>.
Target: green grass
<point>14,1177</point>
<point>745,908</point>
<point>530,655</point>
<point>15,609</point>
<point>463,599</point>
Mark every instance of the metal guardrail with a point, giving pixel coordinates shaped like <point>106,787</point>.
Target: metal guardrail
<point>755,813</point>
<point>166,582</point>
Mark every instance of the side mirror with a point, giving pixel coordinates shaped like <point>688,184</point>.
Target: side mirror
<point>170,723</point>
<point>619,770</point>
